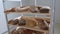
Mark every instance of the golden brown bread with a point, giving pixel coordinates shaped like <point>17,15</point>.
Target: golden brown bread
<point>13,22</point>
<point>30,9</point>
<point>14,32</point>
<point>30,22</point>
<point>44,10</point>
<point>36,32</point>
<point>47,20</point>
<point>25,31</point>
<point>23,21</point>
<point>18,9</point>
<point>43,23</point>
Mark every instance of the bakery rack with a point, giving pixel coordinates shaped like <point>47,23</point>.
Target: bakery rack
<point>31,28</point>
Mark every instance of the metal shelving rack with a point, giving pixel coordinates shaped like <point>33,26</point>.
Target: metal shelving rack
<point>27,27</point>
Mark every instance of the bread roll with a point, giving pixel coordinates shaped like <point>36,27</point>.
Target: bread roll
<point>23,31</point>
<point>13,22</point>
<point>47,20</point>
<point>22,22</point>
<point>30,22</point>
<point>27,31</point>
<point>39,32</point>
<point>42,24</point>
<point>30,9</point>
<point>45,9</point>
<point>14,32</point>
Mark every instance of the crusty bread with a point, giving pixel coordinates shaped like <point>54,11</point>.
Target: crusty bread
<point>30,22</point>
<point>25,31</point>
<point>14,32</point>
<point>44,10</point>
<point>36,32</point>
<point>47,20</point>
<point>30,9</point>
<point>43,23</point>
<point>13,22</point>
<point>23,21</point>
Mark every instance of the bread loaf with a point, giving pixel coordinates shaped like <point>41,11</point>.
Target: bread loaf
<point>30,22</point>
<point>14,32</point>
<point>22,22</point>
<point>22,31</point>
<point>47,20</point>
<point>44,10</point>
<point>42,24</point>
<point>30,9</point>
<point>13,22</point>
<point>27,31</point>
<point>39,32</point>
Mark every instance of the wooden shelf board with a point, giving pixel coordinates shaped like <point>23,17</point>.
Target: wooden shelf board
<point>36,28</point>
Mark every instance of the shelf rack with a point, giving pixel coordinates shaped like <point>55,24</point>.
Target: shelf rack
<point>31,28</point>
<point>37,29</point>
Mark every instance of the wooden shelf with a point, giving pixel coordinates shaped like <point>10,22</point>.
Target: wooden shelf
<point>25,12</point>
<point>36,28</point>
<point>42,14</point>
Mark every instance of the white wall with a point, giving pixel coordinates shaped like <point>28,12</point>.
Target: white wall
<point>28,2</point>
<point>57,17</point>
<point>57,11</point>
<point>57,28</point>
<point>10,4</point>
<point>3,26</point>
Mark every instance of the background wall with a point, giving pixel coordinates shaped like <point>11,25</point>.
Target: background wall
<point>57,11</point>
<point>28,2</point>
<point>57,17</point>
<point>3,26</point>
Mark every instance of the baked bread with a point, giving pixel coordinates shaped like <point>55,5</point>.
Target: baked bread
<point>42,24</point>
<point>38,32</point>
<point>30,22</point>
<point>34,9</point>
<point>23,31</point>
<point>30,9</point>
<point>17,21</point>
<point>18,9</point>
<point>23,21</point>
<point>47,20</point>
<point>27,31</point>
<point>13,22</point>
<point>14,32</point>
<point>44,10</point>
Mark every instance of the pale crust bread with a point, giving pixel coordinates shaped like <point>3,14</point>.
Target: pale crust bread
<point>28,9</point>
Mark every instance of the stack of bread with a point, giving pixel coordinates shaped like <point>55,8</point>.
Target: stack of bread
<point>29,9</point>
<point>25,31</point>
<point>43,23</point>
